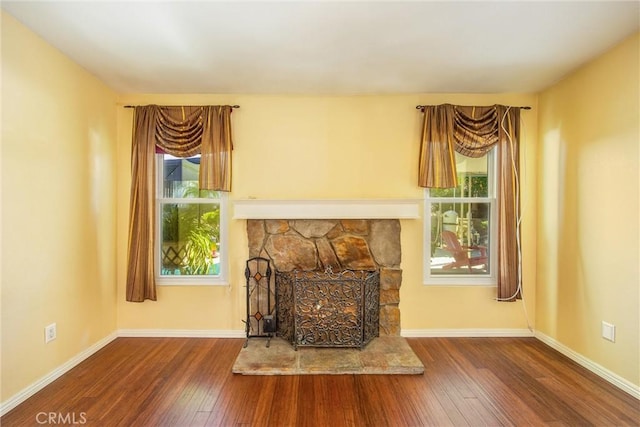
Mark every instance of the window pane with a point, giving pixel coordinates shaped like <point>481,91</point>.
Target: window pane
<point>190,235</point>
<point>460,238</point>
<point>472,179</point>
<point>180,177</point>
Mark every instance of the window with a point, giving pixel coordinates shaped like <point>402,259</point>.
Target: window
<point>191,232</point>
<point>460,226</point>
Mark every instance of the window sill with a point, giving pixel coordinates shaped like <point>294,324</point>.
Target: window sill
<point>460,280</point>
<point>191,281</point>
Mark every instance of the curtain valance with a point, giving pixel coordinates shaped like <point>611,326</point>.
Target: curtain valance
<point>471,131</point>
<point>184,131</point>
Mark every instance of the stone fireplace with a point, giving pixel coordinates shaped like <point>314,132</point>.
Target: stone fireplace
<point>336,244</point>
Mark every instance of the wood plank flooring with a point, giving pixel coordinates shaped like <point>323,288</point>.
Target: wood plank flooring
<point>467,382</point>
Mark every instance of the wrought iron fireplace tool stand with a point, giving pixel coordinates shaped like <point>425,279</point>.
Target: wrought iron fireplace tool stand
<point>261,300</point>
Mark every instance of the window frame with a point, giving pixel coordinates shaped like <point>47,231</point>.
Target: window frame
<point>489,279</point>
<point>223,250</point>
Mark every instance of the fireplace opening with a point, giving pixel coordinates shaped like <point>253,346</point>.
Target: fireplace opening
<point>327,309</point>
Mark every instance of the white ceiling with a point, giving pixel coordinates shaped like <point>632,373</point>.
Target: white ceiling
<point>329,47</point>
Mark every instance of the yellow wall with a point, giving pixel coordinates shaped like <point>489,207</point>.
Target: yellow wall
<point>588,215</point>
<point>58,215</point>
<point>304,147</point>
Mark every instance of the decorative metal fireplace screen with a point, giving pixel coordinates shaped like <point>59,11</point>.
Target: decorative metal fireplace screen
<point>326,309</point>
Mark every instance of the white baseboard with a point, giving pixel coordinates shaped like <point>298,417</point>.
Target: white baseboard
<point>182,333</point>
<point>32,389</point>
<point>602,372</point>
<point>462,333</point>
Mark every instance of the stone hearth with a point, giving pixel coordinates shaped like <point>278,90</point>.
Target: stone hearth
<point>366,244</point>
<point>384,355</point>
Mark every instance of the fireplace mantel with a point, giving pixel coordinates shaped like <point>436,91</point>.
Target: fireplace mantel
<point>327,209</point>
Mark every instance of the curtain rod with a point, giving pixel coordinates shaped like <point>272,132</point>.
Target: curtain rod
<point>134,106</point>
<point>420,107</point>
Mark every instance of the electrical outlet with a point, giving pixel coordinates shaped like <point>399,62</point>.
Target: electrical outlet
<point>608,331</point>
<point>50,333</point>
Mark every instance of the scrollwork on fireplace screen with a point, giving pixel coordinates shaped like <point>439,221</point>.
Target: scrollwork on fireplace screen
<point>326,309</point>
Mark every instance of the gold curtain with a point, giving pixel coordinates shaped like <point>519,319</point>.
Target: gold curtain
<point>181,132</point>
<point>141,283</point>
<point>215,163</point>
<point>437,161</point>
<point>472,132</point>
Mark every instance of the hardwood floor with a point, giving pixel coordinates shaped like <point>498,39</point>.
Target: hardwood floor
<point>467,381</point>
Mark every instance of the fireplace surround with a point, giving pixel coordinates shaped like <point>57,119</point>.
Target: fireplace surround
<point>312,245</point>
